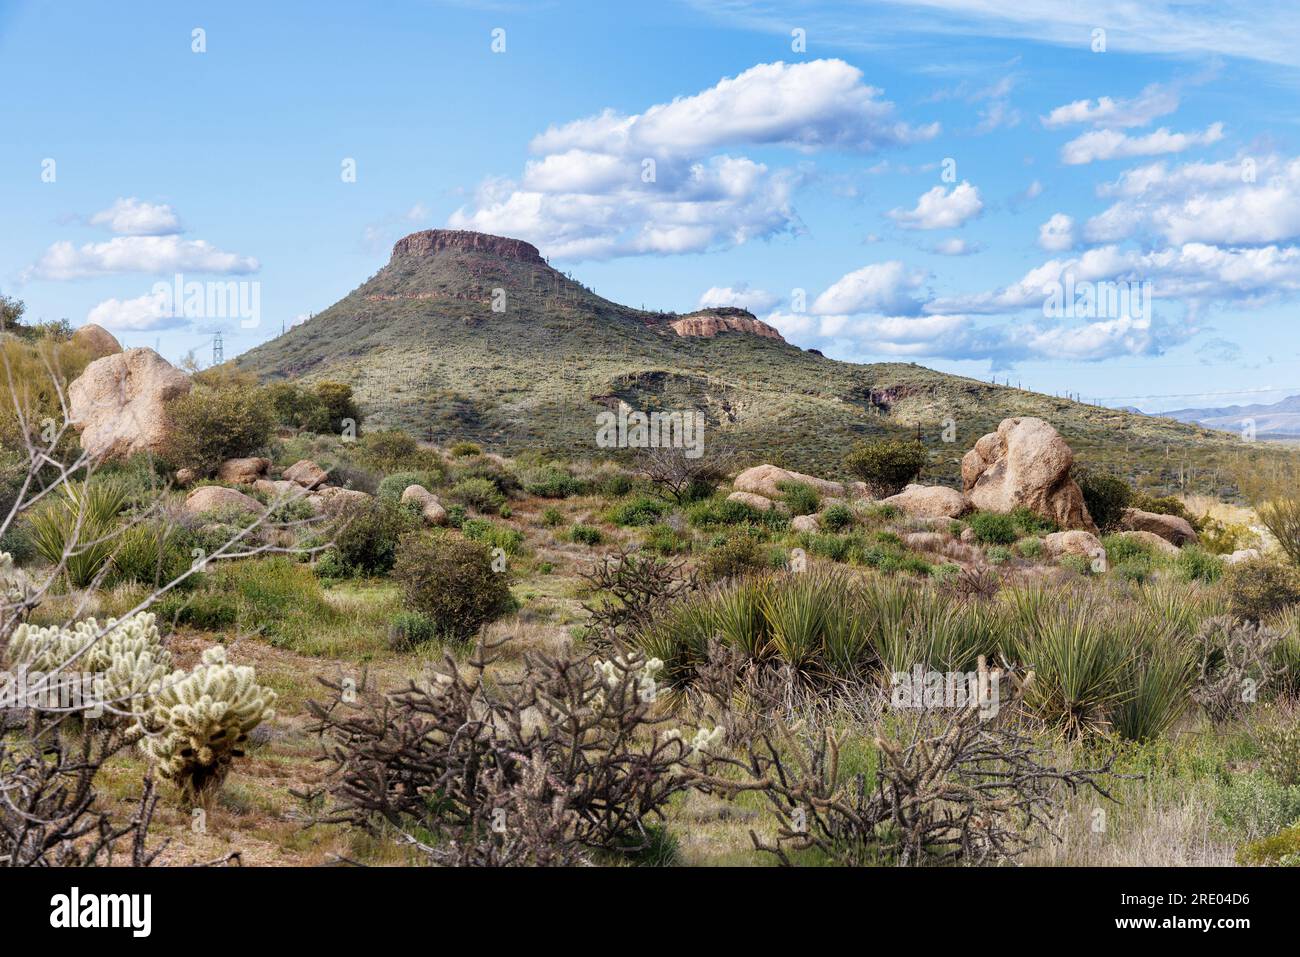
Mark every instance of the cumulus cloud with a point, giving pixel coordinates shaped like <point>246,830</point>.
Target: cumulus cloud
<point>1154,101</point>
<point>1057,234</point>
<point>145,254</point>
<point>888,287</point>
<point>743,297</point>
<point>134,217</point>
<point>956,246</point>
<point>654,182</point>
<point>1112,144</point>
<point>940,208</point>
<point>144,313</point>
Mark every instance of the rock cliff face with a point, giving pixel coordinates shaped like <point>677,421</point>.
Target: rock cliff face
<point>431,241</point>
<point>709,322</point>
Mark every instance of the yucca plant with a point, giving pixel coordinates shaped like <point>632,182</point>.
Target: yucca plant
<point>1156,683</point>
<point>738,616</point>
<point>796,612</point>
<point>77,530</point>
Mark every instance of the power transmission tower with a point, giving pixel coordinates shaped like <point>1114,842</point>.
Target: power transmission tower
<point>218,350</point>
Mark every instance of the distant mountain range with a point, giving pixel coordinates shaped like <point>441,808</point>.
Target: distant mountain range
<point>464,335</point>
<point>1277,420</point>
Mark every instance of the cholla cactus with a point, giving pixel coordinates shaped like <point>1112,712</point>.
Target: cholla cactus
<point>200,721</point>
<point>102,669</point>
<point>13,587</point>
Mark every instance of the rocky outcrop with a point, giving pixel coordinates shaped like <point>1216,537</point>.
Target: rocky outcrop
<point>1073,542</point>
<point>760,502</point>
<point>1151,540</point>
<point>929,501</point>
<point>96,340</point>
<point>335,501</point>
<point>242,471</point>
<point>279,489</point>
<point>119,403</point>
<point>1175,530</point>
<point>804,523</point>
<point>210,498</point>
<point>1025,463</point>
<point>306,473</point>
<point>431,241</point>
<point>766,480</point>
<point>430,508</point>
<point>707,323</point>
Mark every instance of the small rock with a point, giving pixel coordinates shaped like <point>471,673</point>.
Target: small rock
<point>1074,542</point>
<point>1171,528</point>
<point>96,340</point>
<point>427,502</point>
<point>242,471</point>
<point>306,473</point>
<point>186,477</point>
<point>968,535</point>
<point>804,523</point>
<point>762,503</point>
<point>929,501</point>
<point>211,497</point>
<point>1151,539</point>
<point>278,488</point>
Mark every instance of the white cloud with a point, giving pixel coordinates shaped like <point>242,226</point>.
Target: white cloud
<point>134,217</point>
<point>1057,234</point>
<point>148,312</point>
<point>612,184</point>
<point>755,300</point>
<point>147,254</point>
<point>939,208</point>
<point>888,287</point>
<point>1112,144</point>
<point>1154,101</point>
<point>956,246</point>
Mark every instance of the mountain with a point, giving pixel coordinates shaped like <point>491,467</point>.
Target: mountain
<point>469,336</point>
<point>1276,420</point>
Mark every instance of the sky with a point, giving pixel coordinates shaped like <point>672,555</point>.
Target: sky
<point>1099,199</point>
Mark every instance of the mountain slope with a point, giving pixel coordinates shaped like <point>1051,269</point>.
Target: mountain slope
<point>1277,420</point>
<point>465,335</point>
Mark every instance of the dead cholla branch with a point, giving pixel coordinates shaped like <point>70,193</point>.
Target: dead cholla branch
<point>958,788</point>
<point>569,761</point>
<point>631,590</point>
<point>1236,665</point>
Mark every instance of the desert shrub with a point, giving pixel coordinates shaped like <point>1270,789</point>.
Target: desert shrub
<point>1282,518</point>
<point>151,553</point>
<point>721,510</point>
<point>1278,850</point>
<point>615,485</point>
<point>993,528</point>
<point>410,629</point>
<point>1106,496</point>
<point>1254,805</point>
<point>1198,564</point>
<point>666,540</point>
<point>1224,538</point>
<point>297,407</point>
<point>640,510</point>
<point>482,467</point>
<point>1030,548</point>
<point>998,554</point>
<point>340,407</point>
<point>1259,588</point>
<point>509,540</point>
<point>451,581</point>
<point>551,517</point>
<point>836,518</point>
<point>392,450</point>
<point>588,779</point>
<point>1029,522</point>
<point>1235,664</point>
<point>455,515</point>
<point>1079,564</point>
<point>799,497</point>
<point>365,537</point>
<point>887,465</point>
<point>212,425</point>
<point>629,590</point>
<point>739,553</point>
<point>77,528</point>
<point>1279,751</point>
<point>463,448</point>
<point>550,481</point>
<point>1122,548</point>
<point>586,534</point>
<point>682,478</point>
<point>202,609</point>
<point>480,494</point>
<point>392,487</point>
<point>199,723</point>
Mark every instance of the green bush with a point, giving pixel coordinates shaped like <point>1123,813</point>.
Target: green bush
<point>1282,518</point>
<point>483,530</point>
<point>365,539</point>
<point>586,534</point>
<point>1197,564</point>
<point>739,554</point>
<point>480,494</point>
<point>993,528</point>
<point>296,407</point>
<point>666,540</point>
<point>1279,850</point>
<point>836,518</point>
<point>641,510</point>
<point>151,554</point>
<point>1122,548</point>
<point>392,450</point>
<point>721,510</point>
<point>450,581</point>
<point>1030,548</point>
<point>799,497</point>
<point>550,481</point>
<point>410,629</point>
<point>212,425</point>
<point>205,610</point>
<point>1106,496</point>
<point>1257,589</point>
<point>463,449</point>
<point>887,465</point>
<point>340,407</point>
<point>998,555</point>
<point>552,517</point>
<point>392,487</point>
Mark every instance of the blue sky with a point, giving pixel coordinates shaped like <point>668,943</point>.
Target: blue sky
<point>903,180</point>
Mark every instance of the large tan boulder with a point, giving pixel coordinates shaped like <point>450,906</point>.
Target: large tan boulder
<point>929,501</point>
<point>96,340</point>
<point>1151,540</point>
<point>760,502</point>
<point>430,508</point>
<point>119,403</point>
<point>1025,463</point>
<point>242,471</point>
<point>306,473</point>
<point>1175,530</point>
<point>766,480</point>
<point>209,498</point>
<point>278,488</point>
<point>1073,542</point>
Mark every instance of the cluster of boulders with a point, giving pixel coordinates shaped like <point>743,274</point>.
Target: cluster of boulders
<point>1023,464</point>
